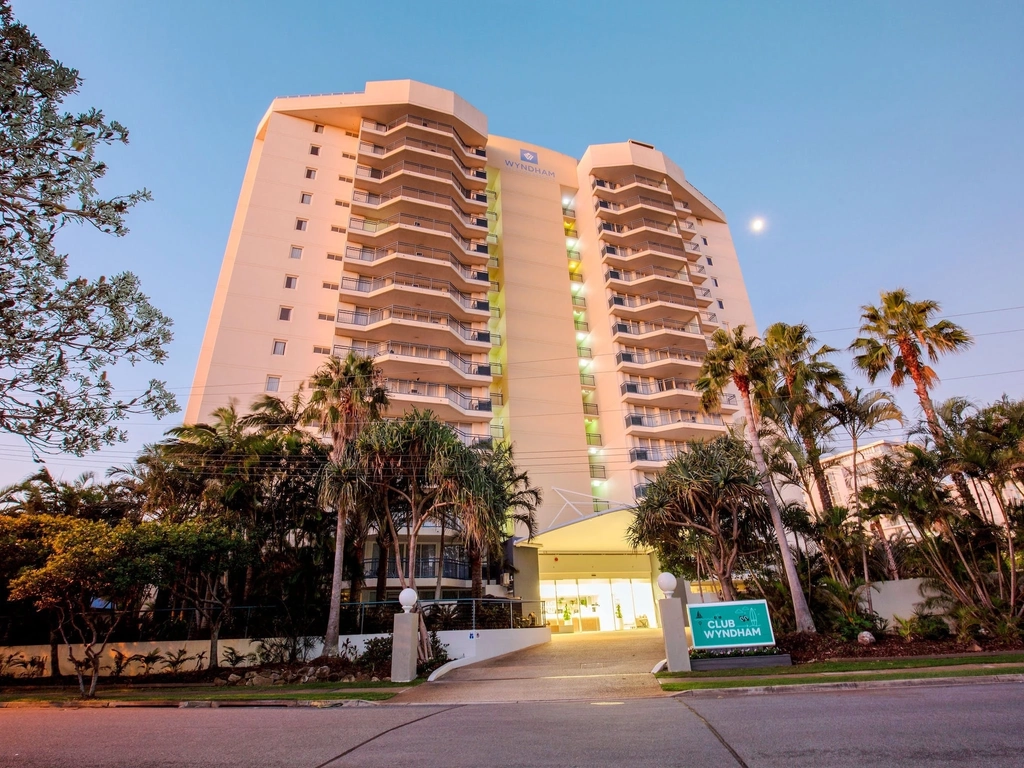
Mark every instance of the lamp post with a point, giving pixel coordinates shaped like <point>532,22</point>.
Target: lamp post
<point>673,625</point>
<point>405,639</point>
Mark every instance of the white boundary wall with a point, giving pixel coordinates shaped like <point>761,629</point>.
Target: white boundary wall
<point>466,646</point>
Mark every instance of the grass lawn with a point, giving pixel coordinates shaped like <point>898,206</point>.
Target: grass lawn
<point>317,691</point>
<point>865,665</point>
<point>692,685</point>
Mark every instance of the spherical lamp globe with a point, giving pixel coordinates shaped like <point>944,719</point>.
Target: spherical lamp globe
<point>408,597</point>
<point>667,584</point>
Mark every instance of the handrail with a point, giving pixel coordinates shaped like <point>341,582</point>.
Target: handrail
<point>371,255</point>
<point>660,355</point>
<point>654,454</point>
<point>635,224</point>
<point>632,275</point>
<point>424,122</point>
<point>440,391</point>
<point>627,251</point>
<point>403,280</point>
<point>369,148</point>
<point>641,327</point>
<point>411,193</point>
<point>634,302</point>
<point>365,317</point>
<point>625,181</point>
<point>657,386</point>
<point>674,416</point>
<point>366,172</point>
<point>379,225</point>
<point>629,202</point>
<point>469,367</point>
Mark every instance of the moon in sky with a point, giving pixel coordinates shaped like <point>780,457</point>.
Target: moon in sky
<point>757,225</point>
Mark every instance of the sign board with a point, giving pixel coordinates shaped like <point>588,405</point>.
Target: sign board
<point>736,624</point>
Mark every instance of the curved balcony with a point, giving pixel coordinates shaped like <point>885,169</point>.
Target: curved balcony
<point>416,148</point>
<point>653,456</point>
<point>431,328</point>
<point>635,231</point>
<point>644,255</point>
<point>413,201</point>
<point>429,127</point>
<point>427,176</point>
<point>635,205</point>
<point>628,184</point>
<point>649,279</point>
<point>666,361</point>
<point>651,305</point>
<point>446,401</point>
<point>654,333</point>
<point>420,230</point>
<point>417,361</point>
<point>665,393</point>
<point>434,295</point>
<point>430,262</point>
<point>675,425</point>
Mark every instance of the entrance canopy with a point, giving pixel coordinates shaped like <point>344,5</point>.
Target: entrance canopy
<point>603,531</point>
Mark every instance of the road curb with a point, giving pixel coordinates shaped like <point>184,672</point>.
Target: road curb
<point>194,704</point>
<point>850,686</point>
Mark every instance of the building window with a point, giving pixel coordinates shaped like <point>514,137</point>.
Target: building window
<point>336,228</point>
<point>317,128</point>
<point>348,156</point>
<point>346,179</point>
<point>273,384</point>
<point>296,252</point>
<point>300,224</point>
<point>331,286</point>
<point>279,347</point>
<point>342,203</point>
<point>325,316</point>
<point>321,350</point>
<point>334,256</point>
<point>714,281</point>
<point>353,135</point>
<point>704,240</point>
<point>699,220</point>
<point>311,173</point>
<point>710,262</point>
<point>285,313</point>
<point>720,304</point>
<point>314,149</point>
<point>291,281</point>
<point>306,198</point>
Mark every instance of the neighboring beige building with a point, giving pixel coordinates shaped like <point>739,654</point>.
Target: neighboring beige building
<point>521,294</point>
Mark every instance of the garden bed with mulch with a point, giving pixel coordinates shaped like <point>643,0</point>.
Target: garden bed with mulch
<point>805,647</point>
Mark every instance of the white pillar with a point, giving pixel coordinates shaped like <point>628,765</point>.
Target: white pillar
<point>673,628</point>
<point>404,647</point>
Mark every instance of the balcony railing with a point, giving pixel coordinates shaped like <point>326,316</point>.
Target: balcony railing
<point>660,355</point>
<point>468,366</point>
<point>590,409</point>
<point>568,212</point>
<point>656,387</point>
<point>368,148</point>
<point>579,301</point>
<point>424,122</point>
<point>442,392</point>
<point>401,280</point>
<point>408,166</point>
<point>581,325</point>
<point>647,246</point>
<point>710,317</point>
<point>374,226</point>
<point>365,317</point>
<point>598,472</point>
<point>631,276</point>
<point>635,224</point>
<point>640,489</point>
<point>630,202</point>
<point>625,181</point>
<point>370,255</point>
<point>587,379</point>
<point>372,199</point>
<point>672,417</point>
<point>635,302</point>
<point>575,277</point>
<point>654,454</point>
<point>585,353</point>
<point>593,438</point>
<point>642,327</point>
<point>426,568</point>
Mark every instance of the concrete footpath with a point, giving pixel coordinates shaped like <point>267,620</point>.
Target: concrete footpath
<point>587,666</point>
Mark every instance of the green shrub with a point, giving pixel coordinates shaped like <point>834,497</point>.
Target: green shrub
<point>376,656</point>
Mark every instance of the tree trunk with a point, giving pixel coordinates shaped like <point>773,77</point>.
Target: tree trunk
<point>802,614</point>
<point>476,568</point>
<point>54,651</point>
<point>214,643</point>
<point>383,558</point>
<point>965,494</point>
<point>334,615</point>
<point>440,563</point>
<point>890,560</point>
<point>824,492</point>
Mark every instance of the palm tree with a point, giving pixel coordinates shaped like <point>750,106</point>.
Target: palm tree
<point>707,497</point>
<point>502,500</point>
<point>803,377</point>
<point>746,363</point>
<point>858,413</point>
<point>895,338</point>
<point>345,395</point>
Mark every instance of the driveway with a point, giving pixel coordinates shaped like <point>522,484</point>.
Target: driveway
<point>585,666</point>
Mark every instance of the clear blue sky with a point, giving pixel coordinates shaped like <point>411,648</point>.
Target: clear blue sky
<point>882,141</point>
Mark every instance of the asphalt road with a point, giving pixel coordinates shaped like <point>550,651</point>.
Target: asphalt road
<point>936,726</point>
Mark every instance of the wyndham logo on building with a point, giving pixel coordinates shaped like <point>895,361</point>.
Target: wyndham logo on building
<point>528,162</point>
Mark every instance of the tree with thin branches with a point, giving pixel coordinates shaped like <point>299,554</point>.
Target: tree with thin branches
<point>746,363</point>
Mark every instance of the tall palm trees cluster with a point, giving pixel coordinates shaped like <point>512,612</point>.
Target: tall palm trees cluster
<point>952,496</point>
<point>299,485</point>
